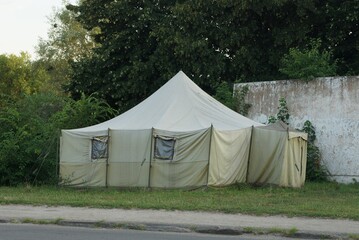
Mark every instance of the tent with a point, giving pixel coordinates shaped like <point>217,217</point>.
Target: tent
<point>178,137</point>
<point>278,156</point>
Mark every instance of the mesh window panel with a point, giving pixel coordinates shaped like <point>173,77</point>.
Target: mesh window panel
<point>99,147</point>
<point>164,148</point>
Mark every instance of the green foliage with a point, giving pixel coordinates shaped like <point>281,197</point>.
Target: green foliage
<point>240,101</point>
<point>283,113</point>
<point>142,45</point>
<point>336,26</point>
<point>139,45</point>
<point>67,41</point>
<point>19,76</point>
<point>29,131</point>
<point>234,101</point>
<point>224,95</point>
<point>315,170</point>
<point>309,63</point>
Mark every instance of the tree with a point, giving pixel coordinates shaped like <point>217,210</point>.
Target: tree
<point>19,76</point>
<point>309,63</point>
<point>225,96</point>
<point>336,26</point>
<point>144,43</point>
<point>67,42</point>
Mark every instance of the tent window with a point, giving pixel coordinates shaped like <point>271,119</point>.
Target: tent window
<point>99,147</point>
<point>164,148</point>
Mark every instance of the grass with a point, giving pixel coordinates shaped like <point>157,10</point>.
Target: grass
<point>328,200</point>
<point>41,221</point>
<point>353,236</point>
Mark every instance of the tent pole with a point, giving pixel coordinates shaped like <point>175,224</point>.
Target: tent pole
<point>107,155</point>
<point>151,153</point>
<point>209,151</point>
<point>249,154</point>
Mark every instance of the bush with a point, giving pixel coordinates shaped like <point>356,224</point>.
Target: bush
<point>234,101</point>
<point>224,95</point>
<point>29,133</point>
<point>239,96</point>
<point>283,113</point>
<point>308,63</point>
<point>315,170</point>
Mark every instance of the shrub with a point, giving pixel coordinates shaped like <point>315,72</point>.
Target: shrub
<point>315,170</point>
<point>29,133</point>
<point>234,101</point>
<point>239,96</point>
<point>225,95</point>
<point>283,113</point>
<point>308,63</point>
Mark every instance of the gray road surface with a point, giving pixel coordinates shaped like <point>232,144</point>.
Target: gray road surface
<point>9,212</point>
<point>52,232</point>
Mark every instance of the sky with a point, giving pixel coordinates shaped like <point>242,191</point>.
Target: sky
<point>24,22</point>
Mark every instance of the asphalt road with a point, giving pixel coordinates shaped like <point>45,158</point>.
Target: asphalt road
<point>53,232</point>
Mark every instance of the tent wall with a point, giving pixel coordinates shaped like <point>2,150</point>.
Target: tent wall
<point>189,165</point>
<point>266,157</point>
<point>295,168</point>
<point>76,166</point>
<point>207,156</point>
<point>129,158</point>
<point>229,156</point>
<point>277,157</point>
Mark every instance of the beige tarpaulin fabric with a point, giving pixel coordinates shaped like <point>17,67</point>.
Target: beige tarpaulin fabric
<point>278,156</point>
<point>135,148</point>
<point>129,158</point>
<point>229,156</point>
<point>190,160</point>
<point>76,166</point>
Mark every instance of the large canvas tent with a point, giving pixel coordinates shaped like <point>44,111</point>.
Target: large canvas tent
<point>278,156</point>
<point>178,137</point>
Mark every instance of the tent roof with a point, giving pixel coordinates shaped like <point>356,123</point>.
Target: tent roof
<point>179,105</point>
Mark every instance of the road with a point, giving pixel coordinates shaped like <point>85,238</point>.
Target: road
<point>10,231</point>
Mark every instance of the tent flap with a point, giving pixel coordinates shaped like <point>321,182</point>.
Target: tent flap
<point>188,168</point>
<point>229,156</point>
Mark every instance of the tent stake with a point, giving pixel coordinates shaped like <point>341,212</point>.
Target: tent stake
<point>249,153</point>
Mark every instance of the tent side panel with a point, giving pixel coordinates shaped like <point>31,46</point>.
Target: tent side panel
<point>83,174</point>
<point>179,175</point>
<point>267,156</point>
<point>75,148</point>
<point>188,168</point>
<point>229,156</point>
<point>129,158</point>
<point>76,166</point>
<point>293,174</point>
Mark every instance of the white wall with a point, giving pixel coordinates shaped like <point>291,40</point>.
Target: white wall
<point>331,104</point>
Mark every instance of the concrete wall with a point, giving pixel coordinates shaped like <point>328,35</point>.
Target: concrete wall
<point>331,104</point>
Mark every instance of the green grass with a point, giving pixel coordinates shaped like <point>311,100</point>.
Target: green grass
<point>329,200</point>
<point>353,236</point>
